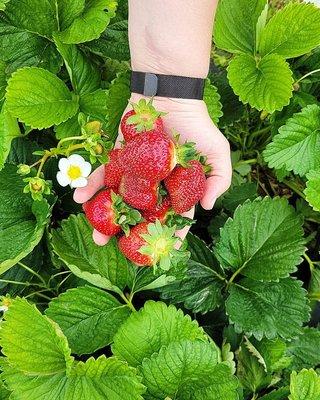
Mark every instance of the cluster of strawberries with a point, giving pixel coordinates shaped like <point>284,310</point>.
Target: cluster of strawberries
<point>147,180</point>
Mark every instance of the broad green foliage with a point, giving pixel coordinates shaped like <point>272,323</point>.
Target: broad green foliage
<point>239,194</point>
<point>51,101</point>
<point>3,79</point>
<point>263,241</point>
<point>68,11</point>
<point>312,190</point>
<point>304,385</point>
<point>268,309</point>
<point>22,221</point>
<point>265,83</point>
<point>297,146</point>
<point>104,266</point>
<point>303,349</point>
<point>9,129</point>
<point>89,317</point>
<point>165,325</point>
<point>281,394</point>
<point>188,371</point>
<point>212,99</point>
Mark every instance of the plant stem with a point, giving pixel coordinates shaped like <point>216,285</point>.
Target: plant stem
<point>43,161</point>
<point>309,261</point>
<point>68,139</point>
<point>295,188</point>
<point>33,272</point>
<point>306,75</point>
<point>14,282</point>
<point>236,274</point>
<point>128,301</point>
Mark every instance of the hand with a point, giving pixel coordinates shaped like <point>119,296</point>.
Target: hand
<point>191,120</point>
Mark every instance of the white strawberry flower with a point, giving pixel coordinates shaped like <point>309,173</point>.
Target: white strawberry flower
<point>73,171</point>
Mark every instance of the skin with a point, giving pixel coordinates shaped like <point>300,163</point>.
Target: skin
<point>174,38</point>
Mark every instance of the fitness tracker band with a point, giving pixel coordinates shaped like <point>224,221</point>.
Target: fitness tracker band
<point>182,87</point>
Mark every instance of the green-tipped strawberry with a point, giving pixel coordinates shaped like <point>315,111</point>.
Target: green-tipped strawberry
<point>160,211</point>
<point>139,193</point>
<point>186,186</point>
<point>112,170</point>
<point>150,244</point>
<point>153,157</point>
<point>144,117</point>
<point>108,213</point>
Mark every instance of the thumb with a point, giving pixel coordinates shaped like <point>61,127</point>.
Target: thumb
<point>99,238</point>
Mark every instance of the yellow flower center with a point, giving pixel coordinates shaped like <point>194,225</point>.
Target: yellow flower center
<point>74,172</point>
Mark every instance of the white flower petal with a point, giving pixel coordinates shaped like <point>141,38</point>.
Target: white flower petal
<point>63,179</point>
<point>76,159</point>
<point>80,182</point>
<point>86,169</point>
<point>63,164</point>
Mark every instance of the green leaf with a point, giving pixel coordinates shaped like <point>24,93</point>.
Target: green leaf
<point>188,371</point>
<point>305,349</point>
<point>68,11</point>
<point>94,104</point>
<point>273,353</point>
<point>3,79</point>
<point>89,317</point>
<point>263,241</point>
<point>280,394</point>
<point>70,127</point>
<point>22,221</point>
<point>38,16</point>
<point>312,190</point>
<point>292,31</point>
<point>74,245</point>
<point>153,326</point>
<point>90,23</point>
<point>9,129</point>
<point>266,83</point>
<point>212,99</point>
<point>235,24</point>
<point>84,75</point>
<point>39,99</point>
<point>38,348</point>
<point>3,4</point>
<point>117,100</point>
<point>304,385</point>
<point>268,309</point>
<point>297,146</point>
<point>238,195</point>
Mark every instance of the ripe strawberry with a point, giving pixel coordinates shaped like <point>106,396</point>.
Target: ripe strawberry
<point>112,170</point>
<point>150,245</point>
<point>159,212</point>
<point>108,214</point>
<point>186,186</point>
<point>144,117</point>
<point>139,193</point>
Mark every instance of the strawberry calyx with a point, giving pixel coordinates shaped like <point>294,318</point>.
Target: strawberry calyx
<point>160,245</point>
<point>145,115</point>
<point>178,221</point>
<point>124,215</point>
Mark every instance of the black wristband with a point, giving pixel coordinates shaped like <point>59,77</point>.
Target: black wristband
<point>181,87</point>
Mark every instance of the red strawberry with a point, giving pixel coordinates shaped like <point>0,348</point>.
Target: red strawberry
<point>150,244</point>
<point>159,212</point>
<point>186,186</point>
<point>139,193</point>
<point>144,117</point>
<point>112,170</point>
<point>108,214</point>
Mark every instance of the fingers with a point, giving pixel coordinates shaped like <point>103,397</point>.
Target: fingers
<point>182,233</point>
<point>99,238</point>
<point>95,183</point>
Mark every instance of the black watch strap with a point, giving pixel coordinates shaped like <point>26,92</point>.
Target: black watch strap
<point>182,87</point>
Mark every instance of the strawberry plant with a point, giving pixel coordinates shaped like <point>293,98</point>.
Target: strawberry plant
<point>233,313</point>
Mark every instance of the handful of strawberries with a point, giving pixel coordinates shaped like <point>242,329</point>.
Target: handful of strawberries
<point>149,181</point>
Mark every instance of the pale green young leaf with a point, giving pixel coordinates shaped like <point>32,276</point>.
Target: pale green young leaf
<point>212,99</point>
<point>88,316</point>
<point>305,349</point>
<point>263,241</point>
<point>26,49</point>
<point>9,129</point>
<point>22,221</point>
<point>98,379</point>
<point>312,190</point>
<point>152,327</point>
<point>292,31</point>
<point>84,75</point>
<point>266,83</point>
<point>92,21</point>
<point>33,343</point>
<point>39,99</point>
<point>235,24</point>
<point>304,385</point>
<point>268,309</point>
<point>188,370</point>
<point>38,16</point>
<point>68,11</point>
<point>297,146</point>
<point>74,245</point>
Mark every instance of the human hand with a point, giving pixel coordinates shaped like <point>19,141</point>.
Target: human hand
<point>191,120</point>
